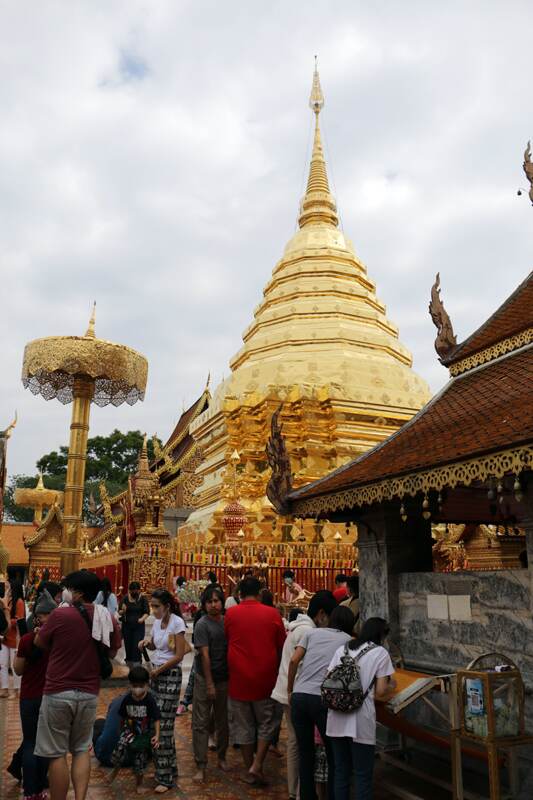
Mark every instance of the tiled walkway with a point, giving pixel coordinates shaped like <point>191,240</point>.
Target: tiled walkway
<point>220,786</point>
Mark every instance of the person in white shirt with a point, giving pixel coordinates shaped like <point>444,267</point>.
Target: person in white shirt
<point>168,644</point>
<point>353,734</point>
<point>321,606</point>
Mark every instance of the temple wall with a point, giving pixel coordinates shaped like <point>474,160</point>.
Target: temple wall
<point>496,616</point>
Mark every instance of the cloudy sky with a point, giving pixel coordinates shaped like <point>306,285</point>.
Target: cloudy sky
<point>153,153</point>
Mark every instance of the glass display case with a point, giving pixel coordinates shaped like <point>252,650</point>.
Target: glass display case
<point>491,699</point>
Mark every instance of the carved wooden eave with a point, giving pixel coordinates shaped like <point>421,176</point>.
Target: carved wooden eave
<point>493,466</point>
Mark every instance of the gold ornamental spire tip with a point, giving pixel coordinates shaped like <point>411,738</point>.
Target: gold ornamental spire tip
<point>318,205</point>
<point>316,99</point>
<point>40,484</point>
<point>90,334</point>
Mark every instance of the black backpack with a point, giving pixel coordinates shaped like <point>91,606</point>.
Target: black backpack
<point>341,689</point>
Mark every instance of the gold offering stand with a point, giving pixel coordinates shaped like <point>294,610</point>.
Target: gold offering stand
<point>81,370</point>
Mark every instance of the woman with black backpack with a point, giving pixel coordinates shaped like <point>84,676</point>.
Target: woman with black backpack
<point>353,733</point>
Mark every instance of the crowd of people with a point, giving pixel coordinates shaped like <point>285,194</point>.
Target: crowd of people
<point>253,672</point>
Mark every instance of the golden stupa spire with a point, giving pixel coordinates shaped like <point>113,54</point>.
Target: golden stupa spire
<point>90,330</point>
<point>317,204</point>
<point>143,467</point>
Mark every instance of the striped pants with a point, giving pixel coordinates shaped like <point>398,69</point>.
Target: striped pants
<point>166,690</point>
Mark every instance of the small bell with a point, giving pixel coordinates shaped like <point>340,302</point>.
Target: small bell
<point>426,513</point>
<point>403,513</point>
<point>517,489</point>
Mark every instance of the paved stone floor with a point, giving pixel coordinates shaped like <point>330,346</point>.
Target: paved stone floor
<point>223,786</point>
<point>220,786</point>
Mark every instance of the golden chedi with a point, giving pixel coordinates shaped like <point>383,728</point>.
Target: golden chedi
<point>321,344</point>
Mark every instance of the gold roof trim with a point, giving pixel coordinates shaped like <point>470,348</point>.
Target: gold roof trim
<point>103,536</point>
<point>492,352</point>
<point>118,496</point>
<point>206,394</point>
<point>495,465</point>
<point>41,531</point>
<point>181,461</point>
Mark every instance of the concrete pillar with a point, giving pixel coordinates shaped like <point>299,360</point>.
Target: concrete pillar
<point>388,547</point>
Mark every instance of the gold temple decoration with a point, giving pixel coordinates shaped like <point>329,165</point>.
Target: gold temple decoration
<point>38,498</point>
<point>81,370</point>
<point>501,348</point>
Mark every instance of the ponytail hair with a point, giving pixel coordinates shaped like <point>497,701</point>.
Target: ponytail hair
<point>167,599</point>
<point>374,630</point>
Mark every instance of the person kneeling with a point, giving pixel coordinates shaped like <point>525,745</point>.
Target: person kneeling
<point>140,727</point>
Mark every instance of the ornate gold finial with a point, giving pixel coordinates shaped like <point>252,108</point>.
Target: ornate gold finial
<point>143,468</point>
<point>316,100</point>
<point>208,381</point>
<point>40,484</point>
<point>317,204</point>
<point>90,330</point>
<point>446,339</point>
<point>528,168</point>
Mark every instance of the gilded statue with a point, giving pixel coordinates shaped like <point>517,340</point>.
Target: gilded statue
<point>528,168</point>
<point>280,483</point>
<point>446,339</point>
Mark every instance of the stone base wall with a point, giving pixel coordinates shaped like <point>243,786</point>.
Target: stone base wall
<point>486,611</point>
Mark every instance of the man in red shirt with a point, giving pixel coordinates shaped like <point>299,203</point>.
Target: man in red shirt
<point>68,709</point>
<point>340,592</point>
<point>255,635</point>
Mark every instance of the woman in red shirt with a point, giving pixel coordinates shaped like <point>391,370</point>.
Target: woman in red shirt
<point>16,609</point>
<point>31,663</point>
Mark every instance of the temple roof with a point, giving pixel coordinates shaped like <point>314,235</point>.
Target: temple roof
<point>512,318</point>
<point>483,411</point>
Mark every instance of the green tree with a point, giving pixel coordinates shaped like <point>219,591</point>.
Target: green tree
<point>111,459</point>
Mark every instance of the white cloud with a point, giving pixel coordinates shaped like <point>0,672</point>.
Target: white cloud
<point>151,158</point>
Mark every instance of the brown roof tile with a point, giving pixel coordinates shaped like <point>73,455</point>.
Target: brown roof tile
<point>481,411</point>
<point>512,317</point>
